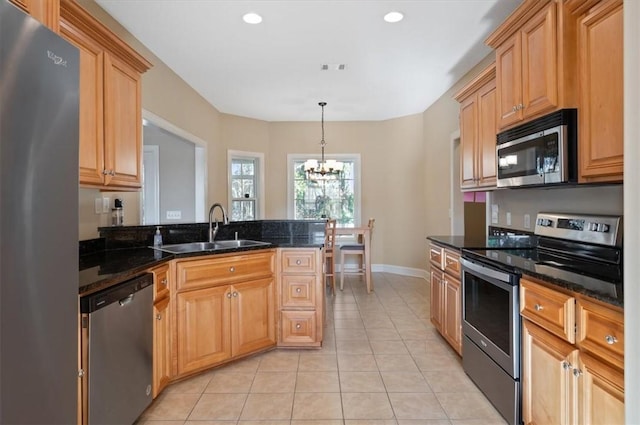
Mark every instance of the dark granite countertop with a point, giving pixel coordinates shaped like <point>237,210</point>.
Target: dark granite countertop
<point>498,248</point>
<point>102,269</point>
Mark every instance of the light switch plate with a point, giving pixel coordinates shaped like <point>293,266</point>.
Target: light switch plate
<point>527,221</point>
<point>106,204</point>
<point>174,215</point>
<point>494,213</point>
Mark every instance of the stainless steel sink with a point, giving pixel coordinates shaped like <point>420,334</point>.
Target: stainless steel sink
<point>185,248</point>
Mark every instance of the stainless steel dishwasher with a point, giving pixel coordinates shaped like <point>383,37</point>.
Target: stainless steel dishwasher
<point>119,323</point>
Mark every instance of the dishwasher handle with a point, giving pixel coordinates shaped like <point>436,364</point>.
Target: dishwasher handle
<point>122,293</point>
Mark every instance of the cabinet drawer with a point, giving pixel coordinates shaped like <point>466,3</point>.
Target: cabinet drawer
<point>299,261</point>
<point>298,327</point>
<point>452,262</point>
<point>299,291</point>
<point>224,270</point>
<point>601,331</point>
<point>435,255</point>
<point>160,282</point>
<point>552,310</point>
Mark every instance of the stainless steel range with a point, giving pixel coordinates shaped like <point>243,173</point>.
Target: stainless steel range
<point>580,252</point>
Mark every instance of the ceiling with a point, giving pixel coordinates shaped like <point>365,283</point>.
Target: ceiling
<point>272,71</point>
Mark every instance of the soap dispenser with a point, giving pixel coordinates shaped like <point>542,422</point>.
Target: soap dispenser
<point>157,238</point>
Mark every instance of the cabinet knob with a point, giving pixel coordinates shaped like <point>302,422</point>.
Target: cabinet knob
<point>521,106</point>
<point>514,108</point>
<point>298,290</point>
<point>298,325</point>
<point>577,373</point>
<point>235,294</point>
<point>228,294</point>
<point>232,269</point>
<point>158,316</point>
<point>566,365</point>
<point>538,307</point>
<point>164,281</point>
<point>298,262</point>
<point>610,339</point>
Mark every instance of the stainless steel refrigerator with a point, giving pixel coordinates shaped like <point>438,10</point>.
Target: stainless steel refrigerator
<point>38,222</point>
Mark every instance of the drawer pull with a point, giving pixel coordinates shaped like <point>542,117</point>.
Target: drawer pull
<point>538,307</point>
<point>164,281</point>
<point>232,269</point>
<point>298,325</point>
<point>298,290</point>
<point>298,262</point>
<point>610,339</point>
<point>158,316</point>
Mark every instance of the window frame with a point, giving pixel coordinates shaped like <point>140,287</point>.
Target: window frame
<point>357,176</point>
<point>258,157</point>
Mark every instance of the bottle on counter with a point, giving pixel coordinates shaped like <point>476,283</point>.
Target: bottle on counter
<point>157,238</point>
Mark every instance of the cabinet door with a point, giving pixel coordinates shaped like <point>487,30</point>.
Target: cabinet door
<point>548,390</point>
<point>487,130</point>
<point>252,316</point>
<point>539,63</point>
<point>468,138</point>
<point>203,328</point>
<point>451,325</point>
<point>509,81</point>
<point>161,346</point>
<point>600,393</point>
<point>123,123</point>
<point>91,154</point>
<point>600,53</point>
<point>437,298</point>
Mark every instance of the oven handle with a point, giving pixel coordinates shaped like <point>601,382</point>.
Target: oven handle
<point>486,271</point>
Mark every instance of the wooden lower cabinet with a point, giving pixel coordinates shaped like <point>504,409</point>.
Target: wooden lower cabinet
<point>452,323</point>
<point>569,380</point>
<point>161,346</point>
<point>548,388</point>
<point>225,308</point>
<point>300,297</point>
<point>446,295</point>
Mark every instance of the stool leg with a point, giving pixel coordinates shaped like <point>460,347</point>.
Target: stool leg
<point>341,271</point>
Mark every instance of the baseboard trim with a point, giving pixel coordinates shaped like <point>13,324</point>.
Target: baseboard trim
<point>388,268</point>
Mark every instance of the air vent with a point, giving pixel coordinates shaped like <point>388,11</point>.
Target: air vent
<point>333,67</point>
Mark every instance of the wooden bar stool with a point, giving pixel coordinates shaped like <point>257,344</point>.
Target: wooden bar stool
<point>362,250</point>
<point>328,253</point>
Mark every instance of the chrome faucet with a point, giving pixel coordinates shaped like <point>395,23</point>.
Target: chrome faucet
<point>213,231</point>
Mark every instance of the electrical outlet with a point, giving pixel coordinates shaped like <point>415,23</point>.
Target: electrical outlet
<point>494,213</point>
<point>106,204</point>
<point>508,219</point>
<point>527,221</point>
<point>174,215</point>
<point>98,205</point>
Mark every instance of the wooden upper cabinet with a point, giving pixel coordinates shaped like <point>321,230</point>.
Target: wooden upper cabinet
<point>478,131</point>
<point>600,95</point>
<point>45,11</point>
<point>110,102</point>
<point>535,62</point>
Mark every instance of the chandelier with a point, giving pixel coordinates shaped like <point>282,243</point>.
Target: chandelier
<point>329,169</point>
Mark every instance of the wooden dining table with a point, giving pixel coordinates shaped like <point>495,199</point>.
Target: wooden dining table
<point>363,236</point>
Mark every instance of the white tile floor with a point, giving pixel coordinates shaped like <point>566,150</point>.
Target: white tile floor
<point>382,363</point>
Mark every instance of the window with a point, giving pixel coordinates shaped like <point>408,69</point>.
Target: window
<point>245,183</point>
<point>321,198</point>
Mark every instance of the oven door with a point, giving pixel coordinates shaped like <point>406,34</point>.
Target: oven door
<point>535,159</point>
<point>491,313</point>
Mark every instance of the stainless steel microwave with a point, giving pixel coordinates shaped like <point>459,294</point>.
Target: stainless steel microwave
<point>540,152</point>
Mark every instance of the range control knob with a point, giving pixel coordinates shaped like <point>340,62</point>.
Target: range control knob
<point>604,228</point>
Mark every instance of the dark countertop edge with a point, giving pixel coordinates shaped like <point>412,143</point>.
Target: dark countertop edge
<point>140,269</point>
<point>459,242</point>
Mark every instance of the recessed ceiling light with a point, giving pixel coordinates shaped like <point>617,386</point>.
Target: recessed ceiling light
<point>393,17</point>
<point>252,18</point>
